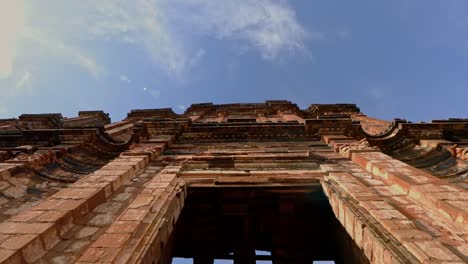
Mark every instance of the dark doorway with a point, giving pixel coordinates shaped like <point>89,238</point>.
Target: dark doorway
<point>259,224</point>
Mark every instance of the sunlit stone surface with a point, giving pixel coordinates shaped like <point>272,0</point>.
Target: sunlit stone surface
<point>236,183</point>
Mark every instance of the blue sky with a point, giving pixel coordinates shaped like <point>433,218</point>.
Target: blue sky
<point>399,58</point>
<point>221,261</point>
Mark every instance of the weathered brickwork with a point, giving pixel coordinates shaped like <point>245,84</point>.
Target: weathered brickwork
<point>414,208</point>
<point>85,190</point>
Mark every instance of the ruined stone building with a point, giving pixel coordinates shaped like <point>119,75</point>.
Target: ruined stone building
<point>228,181</point>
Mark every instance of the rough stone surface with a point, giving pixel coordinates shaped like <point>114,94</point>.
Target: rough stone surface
<point>84,190</point>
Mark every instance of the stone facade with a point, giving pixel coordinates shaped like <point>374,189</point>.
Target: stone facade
<point>157,184</point>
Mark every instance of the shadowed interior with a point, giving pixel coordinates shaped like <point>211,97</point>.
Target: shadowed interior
<point>295,224</point>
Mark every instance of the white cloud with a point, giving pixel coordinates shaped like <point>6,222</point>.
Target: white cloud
<point>124,78</point>
<point>84,61</point>
<point>269,26</point>
<point>198,56</point>
<point>16,30</point>
<point>73,55</point>
<point>155,93</point>
<point>24,83</point>
<point>162,28</point>
<point>11,27</point>
<point>137,23</point>
<point>25,80</point>
<point>181,107</point>
<point>21,85</point>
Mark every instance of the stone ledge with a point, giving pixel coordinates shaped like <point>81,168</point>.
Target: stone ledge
<point>44,224</point>
<point>358,224</point>
<point>417,184</point>
<point>359,229</point>
<point>124,239</point>
<point>426,189</point>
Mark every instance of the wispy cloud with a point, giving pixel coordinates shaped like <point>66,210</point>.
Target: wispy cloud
<point>24,81</point>
<point>162,28</point>
<point>84,61</point>
<point>15,30</point>
<point>138,23</point>
<point>124,78</point>
<point>21,85</point>
<point>11,27</point>
<point>153,92</point>
<point>198,56</point>
<point>58,48</point>
<point>268,26</point>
